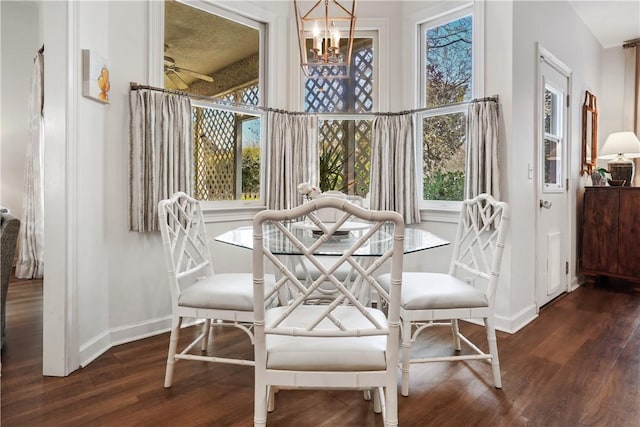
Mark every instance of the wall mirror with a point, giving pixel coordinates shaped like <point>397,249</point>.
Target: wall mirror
<point>589,134</point>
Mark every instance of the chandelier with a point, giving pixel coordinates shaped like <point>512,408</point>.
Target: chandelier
<point>324,40</point>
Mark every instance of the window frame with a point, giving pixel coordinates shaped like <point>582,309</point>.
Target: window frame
<point>256,203</point>
<point>156,74</point>
<point>375,35</point>
<point>555,135</point>
<point>345,117</point>
<point>440,17</point>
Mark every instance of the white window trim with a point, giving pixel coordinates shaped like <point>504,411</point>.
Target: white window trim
<point>434,16</point>
<point>208,205</point>
<point>441,20</point>
<point>266,23</point>
<point>556,136</point>
<point>435,205</point>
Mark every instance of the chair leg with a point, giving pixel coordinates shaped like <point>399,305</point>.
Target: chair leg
<point>377,406</point>
<point>391,405</point>
<point>206,329</point>
<point>271,404</point>
<point>406,356</point>
<point>261,396</point>
<point>455,330</point>
<point>493,349</point>
<point>173,345</point>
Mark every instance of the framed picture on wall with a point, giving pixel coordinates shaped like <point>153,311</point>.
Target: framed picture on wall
<point>95,77</point>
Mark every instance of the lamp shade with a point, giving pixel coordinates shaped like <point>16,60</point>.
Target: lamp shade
<point>625,143</point>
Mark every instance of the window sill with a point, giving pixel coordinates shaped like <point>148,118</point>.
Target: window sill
<point>445,211</point>
<point>230,213</point>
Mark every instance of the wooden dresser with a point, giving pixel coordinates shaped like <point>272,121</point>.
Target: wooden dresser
<point>611,232</point>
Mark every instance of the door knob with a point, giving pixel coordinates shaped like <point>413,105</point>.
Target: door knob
<point>545,204</point>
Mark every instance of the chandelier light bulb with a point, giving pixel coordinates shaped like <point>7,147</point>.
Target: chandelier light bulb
<point>335,37</point>
<point>317,40</point>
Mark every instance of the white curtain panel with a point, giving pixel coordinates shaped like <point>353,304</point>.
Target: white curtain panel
<point>482,172</point>
<point>31,239</point>
<point>292,157</point>
<point>160,156</point>
<point>393,166</point>
<point>631,107</point>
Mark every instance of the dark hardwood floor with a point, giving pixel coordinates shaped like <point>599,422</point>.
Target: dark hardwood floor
<point>578,364</point>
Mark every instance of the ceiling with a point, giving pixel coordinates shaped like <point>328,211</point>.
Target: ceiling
<point>612,22</point>
<point>204,42</point>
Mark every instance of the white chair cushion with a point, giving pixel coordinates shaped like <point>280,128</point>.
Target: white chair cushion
<point>326,354</point>
<point>230,291</point>
<point>425,291</point>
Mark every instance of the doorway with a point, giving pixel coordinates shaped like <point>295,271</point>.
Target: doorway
<point>552,192</point>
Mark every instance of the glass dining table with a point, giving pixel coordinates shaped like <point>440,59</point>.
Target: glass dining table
<point>342,241</point>
<point>414,239</point>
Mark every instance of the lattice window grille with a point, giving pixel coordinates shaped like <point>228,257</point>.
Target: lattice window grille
<point>351,141</point>
<point>333,144</point>
<point>363,81</point>
<point>248,95</point>
<point>326,96</point>
<point>362,157</point>
<point>215,154</point>
<point>351,138</point>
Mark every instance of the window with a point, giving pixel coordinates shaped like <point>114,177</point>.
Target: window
<point>446,70</point>
<point>552,139</point>
<point>345,144</point>
<point>213,53</point>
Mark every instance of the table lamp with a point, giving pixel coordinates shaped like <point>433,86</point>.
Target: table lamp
<point>621,147</point>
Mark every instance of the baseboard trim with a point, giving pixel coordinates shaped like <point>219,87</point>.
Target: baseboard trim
<point>137,331</point>
<point>513,324</point>
<point>94,348</point>
<point>518,321</point>
<point>575,283</point>
<point>126,334</point>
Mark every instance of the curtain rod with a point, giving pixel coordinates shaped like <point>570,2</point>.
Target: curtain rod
<point>222,102</point>
<point>631,43</point>
<point>493,98</point>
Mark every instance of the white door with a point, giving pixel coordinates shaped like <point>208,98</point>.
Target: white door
<point>552,218</point>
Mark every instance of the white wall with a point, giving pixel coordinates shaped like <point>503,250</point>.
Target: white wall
<point>93,20</point>
<point>20,40</point>
<point>498,80</point>
<point>558,29</point>
<point>611,96</point>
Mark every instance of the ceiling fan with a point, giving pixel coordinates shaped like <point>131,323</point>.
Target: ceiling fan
<point>172,71</point>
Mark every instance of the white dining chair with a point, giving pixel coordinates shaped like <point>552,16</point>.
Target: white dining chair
<point>343,344</point>
<point>306,271</point>
<point>196,290</point>
<point>466,292</point>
